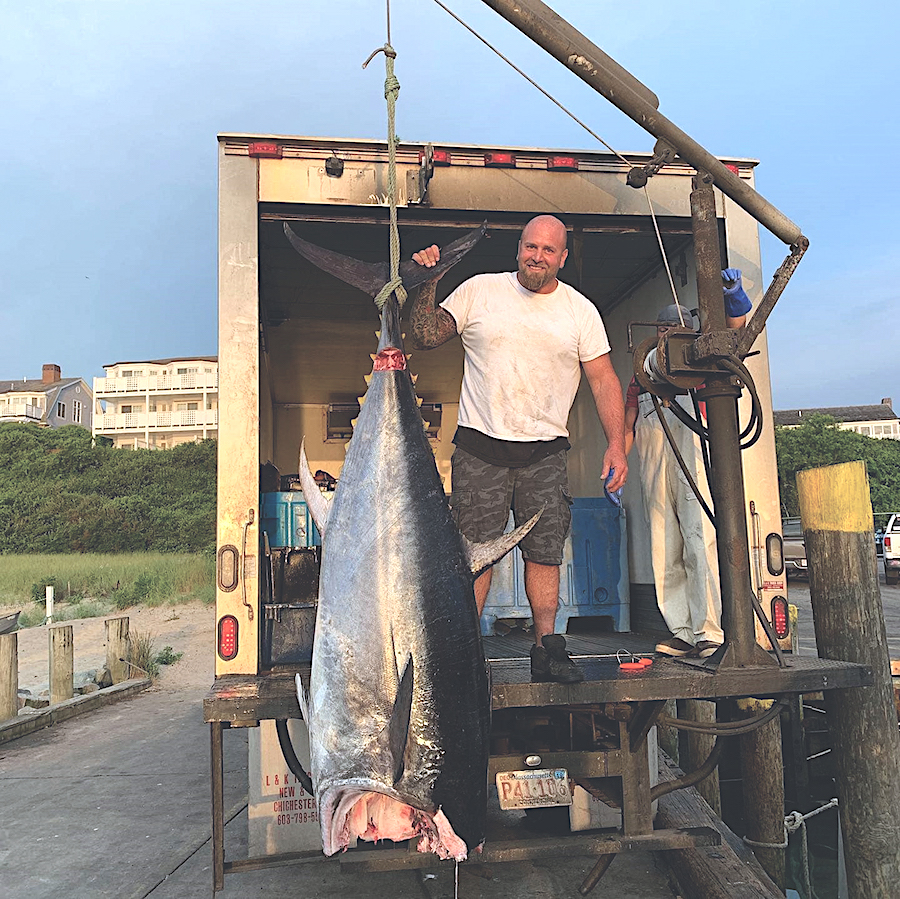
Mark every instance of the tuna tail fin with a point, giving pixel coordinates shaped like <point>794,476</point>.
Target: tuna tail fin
<point>318,505</point>
<point>303,699</point>
<point>482,555</point>
<point>372,276</point>
<point>398,728</point>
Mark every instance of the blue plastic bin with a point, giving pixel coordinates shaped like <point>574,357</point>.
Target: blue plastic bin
<point>286,520</point>
<point>593,577</point>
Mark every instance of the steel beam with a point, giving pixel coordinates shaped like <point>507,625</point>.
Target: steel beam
<point>540,23</point>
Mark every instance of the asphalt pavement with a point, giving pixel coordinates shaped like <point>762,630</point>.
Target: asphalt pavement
<point>798,595</point>
<point>116,805</point>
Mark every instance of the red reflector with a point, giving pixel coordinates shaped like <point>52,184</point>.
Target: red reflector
<point>266,149</point>
<point>887,543</point>
<point>562,164</point>
<point>438,157</point>
<point>500,160</point>
<point>228,637</point>
<point>732,168</point>
<point>780,620</point>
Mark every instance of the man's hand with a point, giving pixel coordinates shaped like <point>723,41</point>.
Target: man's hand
<point>737,303</point>
<point>614,458</point>
<point>429,257</point>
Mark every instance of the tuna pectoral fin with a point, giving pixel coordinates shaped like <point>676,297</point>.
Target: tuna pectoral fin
<point>316,502</point>
<point>398,728</point>
<point>483,555</point>
<point>303,699</point>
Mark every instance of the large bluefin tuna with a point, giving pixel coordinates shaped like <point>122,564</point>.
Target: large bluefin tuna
<point>398,706</point>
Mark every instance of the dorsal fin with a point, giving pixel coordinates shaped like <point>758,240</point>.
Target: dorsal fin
<point>316,501</point>
<point>398,728</point>
<point>482,555</point>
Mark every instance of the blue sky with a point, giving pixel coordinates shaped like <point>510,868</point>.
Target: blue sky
<point>111,110</point>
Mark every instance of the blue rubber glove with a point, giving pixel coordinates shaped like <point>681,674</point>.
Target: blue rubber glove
<point>737,303</point>
<point>616,496</point>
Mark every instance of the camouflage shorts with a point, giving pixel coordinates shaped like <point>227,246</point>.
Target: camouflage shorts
<point>483,494</point>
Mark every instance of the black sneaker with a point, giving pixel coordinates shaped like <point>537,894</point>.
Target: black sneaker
<point>551,662</point>
<point>705,648</point>
<point>675,647</point>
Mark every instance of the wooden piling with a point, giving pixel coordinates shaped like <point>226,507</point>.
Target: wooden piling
<point>694,748</point>
<point>62,661</point>
<point>117,648</point>
<point>9,676</point>
<point>762,779</point>
<point>849,622</point>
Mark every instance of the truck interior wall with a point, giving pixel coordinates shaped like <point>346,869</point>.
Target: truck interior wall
<point>266,414</point>
<point>307,422</point>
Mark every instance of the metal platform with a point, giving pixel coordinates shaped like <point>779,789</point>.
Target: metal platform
<point>250,698</point>
<point>634,700</point>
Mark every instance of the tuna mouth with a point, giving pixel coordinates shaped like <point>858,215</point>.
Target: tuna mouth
<point>371,815</point>
<point>389,359</point>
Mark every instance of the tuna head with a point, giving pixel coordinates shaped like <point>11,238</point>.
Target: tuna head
<point>398,706</point>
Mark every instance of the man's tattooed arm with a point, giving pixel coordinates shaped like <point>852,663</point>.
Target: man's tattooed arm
<point>431,326</point>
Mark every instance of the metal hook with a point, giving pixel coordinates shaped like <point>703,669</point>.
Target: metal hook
<point>388,51</point>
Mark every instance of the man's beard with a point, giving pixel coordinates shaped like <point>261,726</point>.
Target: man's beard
<point>534,280</point>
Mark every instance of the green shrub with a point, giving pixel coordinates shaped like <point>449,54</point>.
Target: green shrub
<point>168,656</point>
<point>39,589</point>
<point>141,658</point>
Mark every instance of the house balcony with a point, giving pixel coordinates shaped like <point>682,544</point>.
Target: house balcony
<point>190,383</point>
<point>21,412</point>
<point>154,422</point>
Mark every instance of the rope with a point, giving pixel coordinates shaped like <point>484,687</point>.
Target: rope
<point>391,90</point>
<point>792,823</point>
<point>662,251</point>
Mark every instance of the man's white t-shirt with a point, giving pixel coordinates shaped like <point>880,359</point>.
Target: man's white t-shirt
<point>523,355</point>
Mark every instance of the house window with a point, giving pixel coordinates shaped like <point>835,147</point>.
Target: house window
<point>865,430</point>
<point>185,407</point>
<point>126,410</point>
<point>76,412</point>
<point>61,410</point>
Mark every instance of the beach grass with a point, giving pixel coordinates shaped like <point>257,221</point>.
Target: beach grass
<point>86,585</point>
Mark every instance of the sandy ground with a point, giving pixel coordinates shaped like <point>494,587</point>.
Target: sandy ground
<point>186,628</point>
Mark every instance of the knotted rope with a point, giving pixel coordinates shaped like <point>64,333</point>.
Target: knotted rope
<point>391,90</point>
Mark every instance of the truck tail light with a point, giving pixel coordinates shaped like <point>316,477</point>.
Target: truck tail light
<point>780,619</point>
<point>887,544</point>
<point>562,164</point>
<point>775,553</point>
<point>438,157</point>
<point>500,160</point>
<point>227,638</point>
<point>264,149</point>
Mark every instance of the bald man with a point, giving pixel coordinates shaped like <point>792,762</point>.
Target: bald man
<point>527,338</point>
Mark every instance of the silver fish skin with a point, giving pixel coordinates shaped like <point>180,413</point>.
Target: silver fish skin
<point>398,707</point>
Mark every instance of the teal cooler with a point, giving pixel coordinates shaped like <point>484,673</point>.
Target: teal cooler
<point>593,576</point>
<point>286,520</point>
<point>599,576</point>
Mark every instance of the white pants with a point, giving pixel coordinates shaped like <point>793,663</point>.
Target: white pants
<point>682,538</point>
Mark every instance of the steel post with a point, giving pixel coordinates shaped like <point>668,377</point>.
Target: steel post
<point>726,473</point>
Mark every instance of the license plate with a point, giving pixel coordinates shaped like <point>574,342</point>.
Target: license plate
<point>533,789</point>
